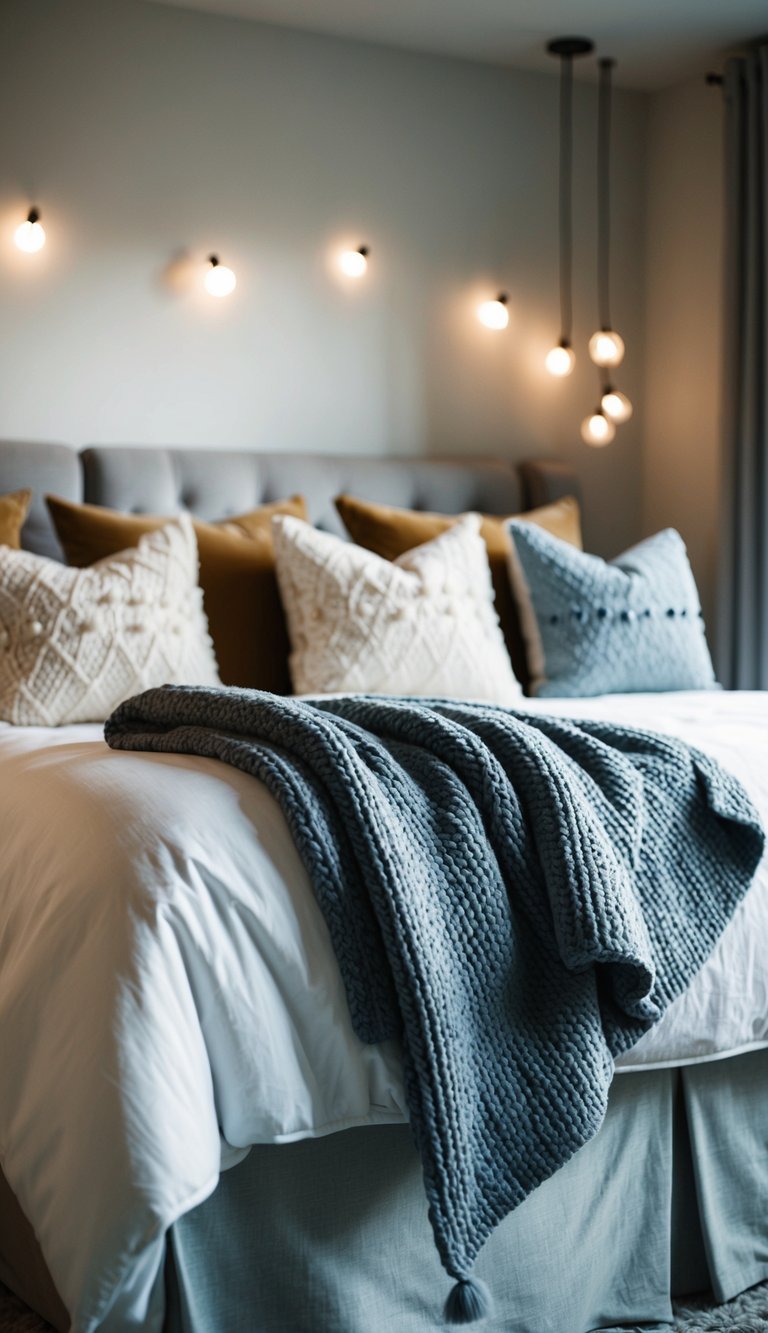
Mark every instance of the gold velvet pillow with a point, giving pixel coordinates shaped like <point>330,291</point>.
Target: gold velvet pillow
<point>390,532</point>
<point>13,511</point>
<point>237,576</point>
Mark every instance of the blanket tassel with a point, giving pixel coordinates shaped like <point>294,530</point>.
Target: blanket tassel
<point>467,1302</point>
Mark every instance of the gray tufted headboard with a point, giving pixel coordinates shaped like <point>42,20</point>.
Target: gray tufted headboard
<point>215,484</point>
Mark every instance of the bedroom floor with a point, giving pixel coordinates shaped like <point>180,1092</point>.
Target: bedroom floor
<point>747,1314</point>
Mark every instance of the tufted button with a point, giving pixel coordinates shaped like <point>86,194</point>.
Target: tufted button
<point>684,612</point>
<point>671,613</point>
<point>577,613</point>
<point>188,499</point>
<point>647,613</point>
<point>601,613</point>
<point>554,620</point>
<point>627,617</point>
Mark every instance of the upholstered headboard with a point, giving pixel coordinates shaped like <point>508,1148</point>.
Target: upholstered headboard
<point>215,484</point>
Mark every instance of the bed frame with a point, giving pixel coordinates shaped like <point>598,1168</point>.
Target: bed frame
<point>205,1269</point>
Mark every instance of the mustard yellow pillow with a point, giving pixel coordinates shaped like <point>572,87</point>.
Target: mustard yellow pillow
<point>237,576</point>
<point>389,532</point>
<point>13,511</point>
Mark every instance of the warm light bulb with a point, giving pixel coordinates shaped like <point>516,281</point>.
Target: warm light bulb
<point>606,348</point>
<point>219,280</point>
<point>597,430</point>
<point>354,262</point>
<point>30,236</point>
<point>560,360</point>
<point>616,405</point>
<point>494,314</point>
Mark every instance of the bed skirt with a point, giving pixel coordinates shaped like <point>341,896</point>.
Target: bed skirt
<point>670,1198</point>
<point>331,1235</point>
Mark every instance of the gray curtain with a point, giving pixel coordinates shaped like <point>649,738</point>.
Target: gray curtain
<point>743,620</point>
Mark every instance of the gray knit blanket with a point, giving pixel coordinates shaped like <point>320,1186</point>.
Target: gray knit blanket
<point>517,897</point>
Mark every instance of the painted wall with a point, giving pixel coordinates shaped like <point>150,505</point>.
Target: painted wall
<point>150,136</point>
<point>682,441</point>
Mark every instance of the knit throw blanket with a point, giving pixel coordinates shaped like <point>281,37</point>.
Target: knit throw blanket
<point>517,897</point>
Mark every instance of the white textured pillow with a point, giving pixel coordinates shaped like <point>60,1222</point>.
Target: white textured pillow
<point>75,642</point>
<point>423,624</point>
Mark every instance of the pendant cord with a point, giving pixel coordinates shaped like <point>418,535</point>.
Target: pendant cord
<point>604,195</point>
<point>566,218</point>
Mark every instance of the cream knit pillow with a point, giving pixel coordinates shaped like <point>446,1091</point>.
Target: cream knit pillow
<point>423,624</point>
<point>75,642</point>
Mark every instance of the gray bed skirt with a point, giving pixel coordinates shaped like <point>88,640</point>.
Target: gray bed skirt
<point>332,1236</point>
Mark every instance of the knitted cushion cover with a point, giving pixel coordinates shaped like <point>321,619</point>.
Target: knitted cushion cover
<point>517,897</point>
<point>76,642</point>
<point>422,624</point>
<point>237,576</point>
<point>619,627</point>
<point>390,532</point>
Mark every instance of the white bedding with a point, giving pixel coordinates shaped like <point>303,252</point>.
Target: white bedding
<point>168,993</point>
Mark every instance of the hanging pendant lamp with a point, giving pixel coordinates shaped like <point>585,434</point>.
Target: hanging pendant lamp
<point>606,346</point>
<point>560,359</point>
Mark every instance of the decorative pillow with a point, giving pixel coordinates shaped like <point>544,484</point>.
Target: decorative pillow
<point>13,511</point>
<point>237,575</point>
<point>75,643</point>
<point>391,532</point>
<point>630,625</point>
<point>423,624</point>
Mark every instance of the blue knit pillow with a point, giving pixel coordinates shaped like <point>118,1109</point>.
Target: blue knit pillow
<point>630,625</point>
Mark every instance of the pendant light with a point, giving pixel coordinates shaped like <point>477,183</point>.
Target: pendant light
<point>560,359</point>
<point>616,405</point>
<point>606,347</point>
<point>597,429</point>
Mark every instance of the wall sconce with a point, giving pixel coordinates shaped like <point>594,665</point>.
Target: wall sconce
<point>354,262</point>
<point>597,429</point>
<point>30,235</point>
<point>494,314</point>
<point>219,280</point>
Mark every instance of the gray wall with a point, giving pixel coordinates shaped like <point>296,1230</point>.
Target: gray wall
<point>682,445</point>
<point>150,136</point>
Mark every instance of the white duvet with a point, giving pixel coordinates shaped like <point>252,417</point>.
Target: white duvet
<point>169,996</point>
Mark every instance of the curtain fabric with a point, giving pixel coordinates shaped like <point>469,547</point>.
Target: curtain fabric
<point>743,621</point>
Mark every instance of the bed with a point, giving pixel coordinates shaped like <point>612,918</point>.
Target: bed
<point>171,1134</point>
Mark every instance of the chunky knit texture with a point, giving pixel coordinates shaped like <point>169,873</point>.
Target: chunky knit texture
<point>75,642</point>
<point>517,897</point>
<point>592,627</point>
<point>422,624</point>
